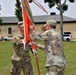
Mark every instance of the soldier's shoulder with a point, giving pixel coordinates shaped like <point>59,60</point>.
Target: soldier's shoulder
<point>47,31</point>
<point>44,33</point>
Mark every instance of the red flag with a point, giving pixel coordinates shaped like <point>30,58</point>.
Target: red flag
<point>28,23</point>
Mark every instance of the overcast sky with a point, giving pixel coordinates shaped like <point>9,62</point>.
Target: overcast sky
<point>8,8</point>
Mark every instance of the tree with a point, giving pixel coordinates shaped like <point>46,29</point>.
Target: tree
<point>18,10</point>
<point>0,21</point>
<point>0,17</point>
<point>61,6</point>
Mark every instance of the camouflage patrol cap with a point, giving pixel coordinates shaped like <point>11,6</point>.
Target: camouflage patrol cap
<point>21,27</point>
<point>20,23</point>
<point>51,23</point>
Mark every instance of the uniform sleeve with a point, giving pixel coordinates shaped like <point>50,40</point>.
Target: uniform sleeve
<point>42,36</point>
<point>32,35</point>
<point>40,46</point>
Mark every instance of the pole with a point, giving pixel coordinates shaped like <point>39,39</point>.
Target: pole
<point>37,65</point>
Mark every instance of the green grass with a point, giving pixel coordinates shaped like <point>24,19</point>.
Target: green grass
<point>6,53</point>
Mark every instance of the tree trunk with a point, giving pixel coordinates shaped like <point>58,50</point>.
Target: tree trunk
<point>61,22</point>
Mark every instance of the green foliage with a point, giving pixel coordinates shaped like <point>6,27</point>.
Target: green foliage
<point>47,1</point>
<point>65,7</point>
<point>0,21</point>
<point>57,1</point>
<point>6,53</point>
<point>51,4</point>
<point>72,1</point>
<point>18,10</point>
<point>58,8</point>
<point>30,1</point>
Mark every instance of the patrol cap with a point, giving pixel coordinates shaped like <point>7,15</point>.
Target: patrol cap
<point>21,27</point>
<point>51,23</point>
<point>20,23</point>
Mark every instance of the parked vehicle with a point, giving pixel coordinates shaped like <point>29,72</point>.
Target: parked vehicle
<point>1,38</point>
<point>67,36</point>
<point>8,38</point>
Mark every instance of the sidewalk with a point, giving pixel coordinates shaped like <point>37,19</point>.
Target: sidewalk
<point>74,39</point>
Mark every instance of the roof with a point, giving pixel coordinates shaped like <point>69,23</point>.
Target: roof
<point>39,19</point>
<point>9,20</point>
<point>44,18</point>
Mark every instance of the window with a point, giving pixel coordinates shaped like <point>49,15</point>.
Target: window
<point>9,30</point>
<point>67,32</point>
<point>66,35</point>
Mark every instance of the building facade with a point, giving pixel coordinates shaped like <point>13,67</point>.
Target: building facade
<point>9,26</point>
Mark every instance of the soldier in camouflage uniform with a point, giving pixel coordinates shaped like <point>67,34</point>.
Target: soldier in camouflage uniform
<point>21,58</point>
<point>55,58</point>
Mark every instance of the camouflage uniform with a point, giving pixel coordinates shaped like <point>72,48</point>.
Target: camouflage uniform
<point>55,58</point>
<point>21,58</point>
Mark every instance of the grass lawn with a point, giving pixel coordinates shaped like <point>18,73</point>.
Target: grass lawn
<point>6,53</point>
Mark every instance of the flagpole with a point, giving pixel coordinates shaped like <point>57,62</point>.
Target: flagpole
<point>37,64</point>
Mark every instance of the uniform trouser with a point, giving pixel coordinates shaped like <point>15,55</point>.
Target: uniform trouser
<point>55,70</point>
<point>18,66</point>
